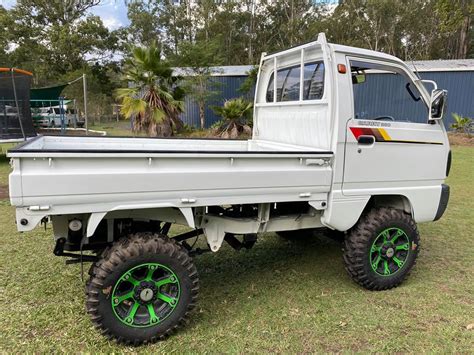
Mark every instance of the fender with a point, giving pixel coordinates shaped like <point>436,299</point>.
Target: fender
<point>96,217</point>
<point>93,222</point>
<point>343,212</point>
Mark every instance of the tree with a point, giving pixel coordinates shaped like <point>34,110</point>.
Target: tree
<point>394,26</point>
<point>144,28</point>
<point>229,22</point>
<point>52,38</point>
<point>59,41</point>
<point>465,26</point>
<point>154,100</point>
<point>199,58</point>
<point>61,12</point>
<point>176,21</point>
<point>372,24</point>
<point>286,23</point>
<point>162,21</point>
<point>250,81</point>
<point>102,81</point>
<point>6,22</point>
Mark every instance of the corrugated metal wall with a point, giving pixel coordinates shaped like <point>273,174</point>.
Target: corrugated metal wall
<point>228,88</point>
<point>460,86</point>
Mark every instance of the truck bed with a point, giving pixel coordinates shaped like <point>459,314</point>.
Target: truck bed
<point>71,174</point>
<point>107,145</point>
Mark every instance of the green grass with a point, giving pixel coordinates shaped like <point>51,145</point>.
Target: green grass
<point>122,128</point>
<point>277,297</point>
<point>114,128</point>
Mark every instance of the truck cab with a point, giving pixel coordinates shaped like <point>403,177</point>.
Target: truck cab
<point>381,121</point>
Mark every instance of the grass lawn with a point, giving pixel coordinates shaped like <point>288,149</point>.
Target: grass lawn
<point>122,128</point>
<point>278,297</point>
<point>113,128</point>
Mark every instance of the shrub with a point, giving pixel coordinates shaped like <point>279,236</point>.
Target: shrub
<point>462,124</point>
<point>235,118</point>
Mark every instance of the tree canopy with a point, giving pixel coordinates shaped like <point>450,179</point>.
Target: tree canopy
<point>60,40</point>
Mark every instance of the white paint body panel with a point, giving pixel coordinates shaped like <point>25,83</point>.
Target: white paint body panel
<point>170,174</point>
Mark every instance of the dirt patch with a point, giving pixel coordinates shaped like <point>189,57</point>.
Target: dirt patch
<point>461,139</point>
<point>3,192</point>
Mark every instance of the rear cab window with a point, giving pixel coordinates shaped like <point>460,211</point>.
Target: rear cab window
<point>289,80</point>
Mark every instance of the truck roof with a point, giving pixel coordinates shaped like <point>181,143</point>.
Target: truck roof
<point>337,48</point>
<point>365,52</point>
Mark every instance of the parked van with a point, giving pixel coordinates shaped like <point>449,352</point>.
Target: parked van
<point>50,117</point>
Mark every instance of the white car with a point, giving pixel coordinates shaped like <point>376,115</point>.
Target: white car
<point>311,163</point>
<point>51,117</point>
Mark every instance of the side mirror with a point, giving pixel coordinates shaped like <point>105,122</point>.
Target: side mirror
<point>438,104</point>
<point>358,78</point>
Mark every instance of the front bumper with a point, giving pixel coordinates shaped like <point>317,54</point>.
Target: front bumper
<point>443,201</point>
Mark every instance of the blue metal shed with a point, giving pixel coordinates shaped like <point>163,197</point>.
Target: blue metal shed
<point>456,76</point>
<point>226,82</point>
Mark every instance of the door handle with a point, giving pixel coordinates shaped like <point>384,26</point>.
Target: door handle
<point>366,140</point>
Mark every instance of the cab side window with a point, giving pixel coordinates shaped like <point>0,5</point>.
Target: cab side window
<point>385,93</point>
<point>288,83</point>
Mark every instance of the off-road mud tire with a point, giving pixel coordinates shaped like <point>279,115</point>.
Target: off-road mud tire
<point>123,255</point>
<point>359,241</point>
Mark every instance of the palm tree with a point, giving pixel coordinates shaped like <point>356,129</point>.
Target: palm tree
<point>235,120</point>
<point>153,99</point>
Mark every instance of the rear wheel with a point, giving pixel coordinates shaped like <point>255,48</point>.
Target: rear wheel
<point>381,249</point>
<point>143,288</point>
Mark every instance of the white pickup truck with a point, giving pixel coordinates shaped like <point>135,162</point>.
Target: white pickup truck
<point>345,139</point>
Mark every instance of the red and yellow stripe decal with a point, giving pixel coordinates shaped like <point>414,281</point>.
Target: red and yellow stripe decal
<point>382,136</point>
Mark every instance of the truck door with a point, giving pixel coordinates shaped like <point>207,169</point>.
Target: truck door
<point>390,145</point>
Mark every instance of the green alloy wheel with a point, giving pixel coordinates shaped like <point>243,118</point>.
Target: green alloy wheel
<point>145,295</point>
<point>142,289</point>
<point>381,249</point>
<point>389,251</point>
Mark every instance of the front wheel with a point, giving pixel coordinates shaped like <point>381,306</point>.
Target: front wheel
<point>381,249</point>
<point>142,289</point>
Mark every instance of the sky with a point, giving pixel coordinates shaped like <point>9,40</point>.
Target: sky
<point>112,12</point>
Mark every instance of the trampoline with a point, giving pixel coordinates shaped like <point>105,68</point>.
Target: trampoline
<point>15,113</point>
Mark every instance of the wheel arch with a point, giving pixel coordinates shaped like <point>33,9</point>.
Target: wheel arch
<point>421,203</point>
<point>181,215</point>
<point>400,202</point>
<point>343,214</point>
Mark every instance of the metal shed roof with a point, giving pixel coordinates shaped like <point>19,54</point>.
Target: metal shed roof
<point>421,66</point>
<point>229,70</point>
<point>443,65</point>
